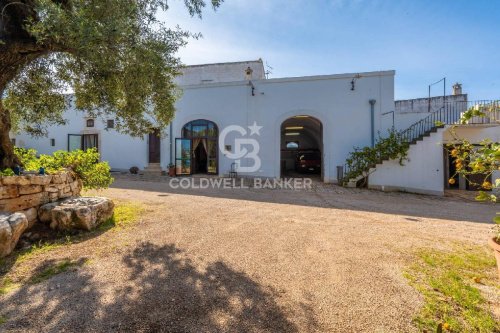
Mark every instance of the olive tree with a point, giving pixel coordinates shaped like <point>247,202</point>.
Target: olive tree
<point>114,55</point>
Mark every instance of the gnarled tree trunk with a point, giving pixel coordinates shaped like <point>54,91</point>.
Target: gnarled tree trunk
<point>7,157</point>
<point>17,49</point>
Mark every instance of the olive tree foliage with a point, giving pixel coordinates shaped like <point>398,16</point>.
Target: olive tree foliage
<point>115,55</point>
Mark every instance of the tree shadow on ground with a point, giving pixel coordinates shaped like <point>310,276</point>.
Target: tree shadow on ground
<point>158,289</point>
<point>333,196</point>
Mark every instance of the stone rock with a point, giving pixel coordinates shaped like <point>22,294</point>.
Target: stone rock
<point>29,189</point>
<point>76,213</point>
<point>57,179</point>
<point>24,202</point>
<point>11,228</point>
<point>40,179</point>
<point>16,180</point>
<point>45,212</point>
<point>51,188</point>
<point>32,216</point>
<point>9,191</point>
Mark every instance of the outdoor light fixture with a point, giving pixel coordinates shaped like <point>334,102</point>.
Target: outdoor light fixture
<point>292,133</point>
<point>294,127</point>
<point>353,81</point>
<point>301,117</point>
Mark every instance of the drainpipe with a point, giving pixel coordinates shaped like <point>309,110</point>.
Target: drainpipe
<point>171,142</point>
<point>372,110</point>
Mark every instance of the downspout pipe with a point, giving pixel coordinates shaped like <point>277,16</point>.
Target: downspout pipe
<point>372,116</point>
<point>171,132</point>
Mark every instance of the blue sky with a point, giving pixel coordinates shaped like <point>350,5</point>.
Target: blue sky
<point>422,40</point>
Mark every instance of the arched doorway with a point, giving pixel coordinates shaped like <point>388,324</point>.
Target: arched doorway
<point>196,150</point>
<point>301,147</point>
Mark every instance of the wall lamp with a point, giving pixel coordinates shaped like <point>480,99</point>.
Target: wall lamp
<point>353,81</point>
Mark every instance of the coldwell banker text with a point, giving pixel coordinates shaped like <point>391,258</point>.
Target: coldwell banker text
<point>233,183</point>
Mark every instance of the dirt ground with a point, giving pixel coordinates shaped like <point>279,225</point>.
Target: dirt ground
<point>248,260</point>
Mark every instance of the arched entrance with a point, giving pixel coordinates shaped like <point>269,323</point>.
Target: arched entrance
<point>196,150</point>
<point>301,147</point>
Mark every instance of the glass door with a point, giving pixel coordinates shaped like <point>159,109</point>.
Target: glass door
<point>212,156</point>
<point>182,156</point>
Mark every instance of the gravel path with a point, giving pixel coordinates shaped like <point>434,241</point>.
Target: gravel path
<point>248,260</point>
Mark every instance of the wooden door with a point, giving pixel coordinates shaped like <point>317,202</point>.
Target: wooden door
<point>154,147</point>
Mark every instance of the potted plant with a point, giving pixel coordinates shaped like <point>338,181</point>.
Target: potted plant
<point>134,170</point>
<point>171,170</point>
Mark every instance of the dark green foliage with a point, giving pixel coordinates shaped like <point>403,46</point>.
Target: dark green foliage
<point>115,55</point>
<point>85,164</point>
<point>362,159</point>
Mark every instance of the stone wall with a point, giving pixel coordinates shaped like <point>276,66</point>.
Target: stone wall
<point>26,193</point>
<point>423,104</point>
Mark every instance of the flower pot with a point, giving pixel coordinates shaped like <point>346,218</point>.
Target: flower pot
<point>496,248</point>
<point>171,171</point>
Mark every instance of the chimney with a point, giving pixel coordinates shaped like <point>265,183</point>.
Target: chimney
<point>248,73</point>
<point>457,89</point>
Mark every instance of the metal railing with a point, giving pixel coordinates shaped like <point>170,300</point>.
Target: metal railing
<point>450,113</point>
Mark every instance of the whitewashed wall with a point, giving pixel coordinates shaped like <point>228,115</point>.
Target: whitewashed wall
<point>345,115</point>
<point>423,172</point>
<point>121,151</point>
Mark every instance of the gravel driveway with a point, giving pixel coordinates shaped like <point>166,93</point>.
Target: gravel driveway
<point>248,260</point>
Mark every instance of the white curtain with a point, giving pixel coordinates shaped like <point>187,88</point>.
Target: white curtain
<point>89,141</point>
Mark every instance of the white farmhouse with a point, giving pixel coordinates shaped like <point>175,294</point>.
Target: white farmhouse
<point>329,113</point>
<point>231,118</point>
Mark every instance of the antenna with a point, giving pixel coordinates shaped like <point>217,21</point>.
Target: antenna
<point>268,70</point>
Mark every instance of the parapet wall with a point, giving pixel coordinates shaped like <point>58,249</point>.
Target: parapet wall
<point>26,193</point>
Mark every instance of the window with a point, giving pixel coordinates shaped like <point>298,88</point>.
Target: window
<point>90,122</point>
<point>82,141</point>
<point>200,128</point>
<point>292,145</point>
<point>110,123</point>
<point>13,141</point>
<point>52,142</point>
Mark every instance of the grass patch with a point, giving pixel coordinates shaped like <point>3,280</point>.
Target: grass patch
<point>3,320</point>
<point>7,285</point>
<point>125,214</point>
<point>449,283</point>
<point>54,269</point>
<point>37,249</point>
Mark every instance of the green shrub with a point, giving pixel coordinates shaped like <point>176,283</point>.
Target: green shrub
<point>85,164</point>
<point>7,172</point>
<point>362,159</point>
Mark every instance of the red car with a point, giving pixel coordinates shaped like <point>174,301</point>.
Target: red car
<point>308,161</point>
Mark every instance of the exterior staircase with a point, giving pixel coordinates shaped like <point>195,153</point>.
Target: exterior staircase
<point>153,168</point>
<point>361,179</point>
<point>448,114</point>
<point>412,136</point>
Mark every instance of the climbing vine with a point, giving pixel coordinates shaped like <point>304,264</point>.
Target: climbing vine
<point>362,159</point>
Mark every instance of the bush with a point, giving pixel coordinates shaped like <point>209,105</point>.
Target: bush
<point>85,164</point>
<point>7,172</point>
<point>362,159</point>
<point>134,170</point>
